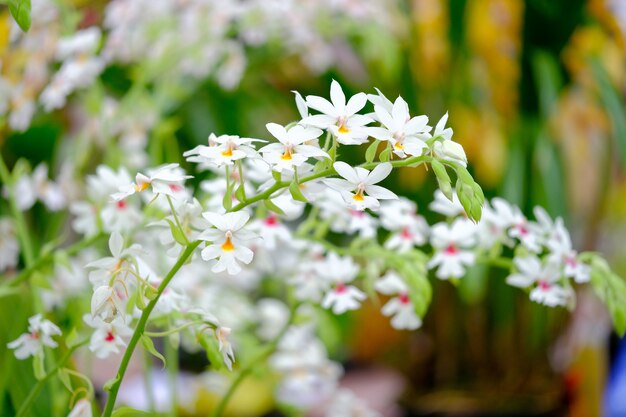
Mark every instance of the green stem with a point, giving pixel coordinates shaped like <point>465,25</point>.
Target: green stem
<point>171,355</point>
<point>245,371</point>
<point>500,262</point>
<point>147,380</point>
<point>141,326</point>
<point>34,392</point>
<point>180,227</point>
<point>415,160</point>
<point>241,180</point>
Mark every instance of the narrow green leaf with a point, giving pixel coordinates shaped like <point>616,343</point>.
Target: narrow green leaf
<point>385,155</point>
<point>370,152</point>
<point>130,412</point>
<point>273,207</point>
<point>296,192</point>
<point>65,379</point>
<point>20,10</point>
<point>239,193</point>
<point>107,385</point>
<point>443,179</point>
<point>177,234</point>
<point>211,347</point>
<point>148,344</point>
<point>72,338</point>
<point>228,199</point>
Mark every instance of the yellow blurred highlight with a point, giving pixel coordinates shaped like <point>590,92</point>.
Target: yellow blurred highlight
<point>252,398</point>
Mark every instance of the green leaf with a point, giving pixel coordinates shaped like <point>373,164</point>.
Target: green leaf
<point>130,412</point>
<point>211,347</point>
<point>228,199</point>
<point>385,154</point>
<point>470,194</point>
<point>296,192</point>
<point>6,291</point>
<point>20,10</point>
<point>107,385</point>
<point>273,207</point>
<point>149,346</point>
<point>370,153</point>
<point>65,379</point>
<point>177,234</point>
<point>420,290</point>
<point>332,152</point>
<point>443,179</point>
<point>72,338</point>
<point>277,176</point>
<point>609,287</point>
<point>239,193</point>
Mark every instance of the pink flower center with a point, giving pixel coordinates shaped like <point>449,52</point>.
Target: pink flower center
<point>571,261</point>
<point>176,188</point>
<point>341,288</point>
<point>110,336</point>
<point>271,220</point>
<point>406,234</point>
<point>544,285</point>
<point>522,229</point>
<point>451,250</point>
<point>121,204</point>
<point>34,335</point>
<point>404,298</point>
<point>357,213</point>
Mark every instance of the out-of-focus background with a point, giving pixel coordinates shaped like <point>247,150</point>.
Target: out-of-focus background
<point>535,93</point>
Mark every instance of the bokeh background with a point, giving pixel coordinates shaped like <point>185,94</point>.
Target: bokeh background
<point>535,92</point>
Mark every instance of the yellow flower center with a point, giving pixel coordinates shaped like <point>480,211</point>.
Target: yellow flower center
<point>141,186</point>
<point>228,246</point>
<point>287,155</point>
<point>343,129</point>
<point>229,150</point>
<point>358,196</point>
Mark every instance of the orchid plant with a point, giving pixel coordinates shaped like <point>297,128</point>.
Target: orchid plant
<point>187,263</point>
<point>191,254</point>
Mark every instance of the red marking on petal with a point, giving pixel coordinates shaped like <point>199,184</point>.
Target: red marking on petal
<point>272,220</point>
<point>404,298</point>
<point>176,188</point>
<point>451,250</point>
<point>341,288</point>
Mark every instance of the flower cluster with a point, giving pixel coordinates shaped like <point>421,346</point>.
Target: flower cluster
<point>191,261</point>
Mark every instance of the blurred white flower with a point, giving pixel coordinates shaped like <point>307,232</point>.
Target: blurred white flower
<point>167,180</point>
<point>108,337</point>
<point>451,243</point>
<point>340,271</point>
<point>9,245</point>
<point>543,278</point>
<point>400,307</point>
<point>40,333</point>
